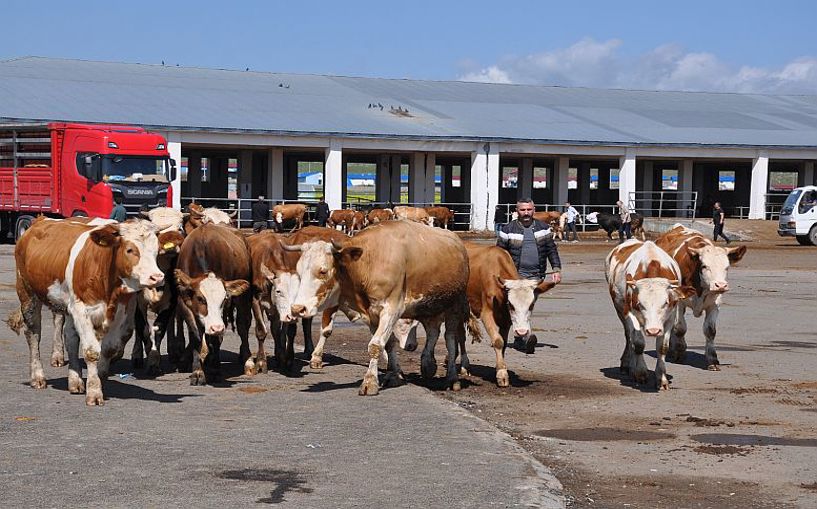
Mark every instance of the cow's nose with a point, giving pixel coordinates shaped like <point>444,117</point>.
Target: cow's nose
<point>217,328</point>
<point>520,332</point>
<point>298,310</point>
<point>655,331</point>
<point>721,286</point>
<point>156,279</point>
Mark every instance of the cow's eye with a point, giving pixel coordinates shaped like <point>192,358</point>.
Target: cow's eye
<point>129,251</point>
<point>201,300</point>
<point>323,272</point>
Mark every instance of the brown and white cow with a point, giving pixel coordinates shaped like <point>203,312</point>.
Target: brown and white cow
<point>91,274</point>
<point>416,214</point>
<point>442,215</point>
<point>199,215</point>
<point>212,275</point>
<point>501,299</point>
<point>644,285</point>
<point>166,219</point>
<point>379,215</point>
<point>289,212</point>
<point>394,270</point>
<point>704,266</point>
<point>358,222</point>
<point>345,218</point>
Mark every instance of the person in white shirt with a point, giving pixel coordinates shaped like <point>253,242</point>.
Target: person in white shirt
<point>570,222</point>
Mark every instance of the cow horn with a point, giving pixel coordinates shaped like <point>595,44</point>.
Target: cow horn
<point>142,214</point>
<point>293,247</point>
<point>336,246</point>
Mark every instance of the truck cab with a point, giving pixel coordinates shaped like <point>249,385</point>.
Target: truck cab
<point>798,216</point>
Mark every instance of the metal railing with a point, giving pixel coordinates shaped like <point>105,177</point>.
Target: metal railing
<point>774,202</point>
<point>462,211</point>
<point>664,203</point>
<point>506,210</point>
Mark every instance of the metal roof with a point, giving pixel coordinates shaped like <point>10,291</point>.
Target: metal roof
<point>36,88</point>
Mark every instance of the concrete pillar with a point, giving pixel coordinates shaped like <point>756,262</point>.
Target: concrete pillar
<point>524,186</point>
<point>275,174</point>
<point>382,187</point>
<point>645,202</point>
<point>760,184</point>
<point>417,178</point>
<point>431,171</point>
<point>583,182</point>
<point>685,174</point>
<point>194,174</point>
<point>175,149</point>
<point>626,175</point>
<point>560,180</point>
<point>333,183</point>
<point>245,174</point>
<point>396,168</point>
<point>808,173</point>
<point>484,185</point>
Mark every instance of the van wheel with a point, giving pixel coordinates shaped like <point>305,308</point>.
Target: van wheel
<point>23,224</point>
<point>812,235</point>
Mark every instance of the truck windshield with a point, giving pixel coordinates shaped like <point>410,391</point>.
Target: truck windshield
<point>788,205</point>
<point>134,168</point>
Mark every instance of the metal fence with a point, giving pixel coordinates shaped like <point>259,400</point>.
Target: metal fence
<point>505,213</point>
<point>664,203</point>
<point>774,202</point>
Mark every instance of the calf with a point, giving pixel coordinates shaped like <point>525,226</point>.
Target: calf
<point>442,215</point>
<point>416,214</point>
<point>704,267</point>
<point>644,285</point>
<point>501,299</point>
<point>213,273</point>
<point>344,218</point>
<point>378,215</point>
<point>198,215</point>
<point>289,212</point>
<point>90,274</point>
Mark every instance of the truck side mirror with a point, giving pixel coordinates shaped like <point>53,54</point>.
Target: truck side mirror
<point>92,172</point>
<point>172,169</point>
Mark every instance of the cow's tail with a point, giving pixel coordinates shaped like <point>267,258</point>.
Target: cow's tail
<point>473,328</point>
<point>15,321</point>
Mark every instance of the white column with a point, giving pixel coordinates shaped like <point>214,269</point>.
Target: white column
<point>626,175</point>
<point>560,180</point>
<point>524,185</point>
<point>417,178</point>
<point>760,183</point>
<point>479,189</point>
<point>275,174</point>
<point>808,173</point>
<point>333,175</point>
<point>431,170</point>
<point>395,184</point>
<point>492,184</point>
<point>175,149</point>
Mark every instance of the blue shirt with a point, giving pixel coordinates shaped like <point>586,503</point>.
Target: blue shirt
<point>119,213</point>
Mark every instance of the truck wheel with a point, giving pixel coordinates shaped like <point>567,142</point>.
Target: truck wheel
<point>23,224</point>
<point>79,213</point>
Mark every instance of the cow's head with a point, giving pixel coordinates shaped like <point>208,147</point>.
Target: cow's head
<point>317,270</point>
<point>205,297</point>
<point>653,302</point>
<point>135,248</point>
<point>592,217</point>
<point>713,265</point>
<point>284,288</point>
<point>521,295</point>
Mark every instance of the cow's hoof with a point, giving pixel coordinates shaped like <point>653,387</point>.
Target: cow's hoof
<point>38,382</point>
<point>94,398</point>
<point>250,370</point>
<point>676,357</point>
<point>58,362</point>
<point>713,367</point>
<point>154,370</point>
<point>502,379</point>
<point>624,370</point>
<point>640,377</point>
<point>261,366</point>
<point>76,385</point>
<point>197,378</point>
<point>137,363</point>
<point>316,363</point>
<point>464,371</point>
<point>410,347</point>
<point>662,385</point>
<point>369,387</point>
<point>391,379</point>
<point>428,367</point>
<point>456,386</point>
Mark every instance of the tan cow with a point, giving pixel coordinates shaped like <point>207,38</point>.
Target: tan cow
<point>358,222</point>
<point>704,266</point>
<point>345,218</point>
<point>289,212</point>
<point>91,274</point>
<point>379,215</point>
<point>166,218</point>
<point>552,218</point>
<point>501,299</point>
<point>442,215</point>
<point>416,214</point>
<point>199,215</point>
<point>644,285</point>
<point>390,271</point>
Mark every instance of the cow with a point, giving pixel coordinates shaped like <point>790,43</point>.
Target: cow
<point>212,275</point>
<point>91,275</point>
<point>644,285</point>
<point>198,215</point>
<point>704,267</point>
<point>344,218</point>
<point>551,218</point>
<point>415,214</point>
<point>379,215</point>
<point>358,222</point>
<point>442,215</point>
<point>501,299</point>
<point>166,218</point>
<point>162,302</point>
<point>612,223</point>
<point>390,271</point>
<point>289,212</point>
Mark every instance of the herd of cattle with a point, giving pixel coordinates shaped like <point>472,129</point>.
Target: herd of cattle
<point>352,221</point>
<point>103,280</point>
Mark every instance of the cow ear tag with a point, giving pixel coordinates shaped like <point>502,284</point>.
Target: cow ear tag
<point>168,245</point>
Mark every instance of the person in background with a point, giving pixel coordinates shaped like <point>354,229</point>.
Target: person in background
<point>570,222</point>
<point>118,213</point>
<point>321,212</point>
<point>260,214</point>
<point>500,217</point>
<point>530,244</point>
<point>625,228</point>
<point>717,222</point>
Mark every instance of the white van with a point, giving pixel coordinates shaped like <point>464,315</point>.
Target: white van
<point>798,217</point>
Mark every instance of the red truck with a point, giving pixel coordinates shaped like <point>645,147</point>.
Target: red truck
<point>64,170</point>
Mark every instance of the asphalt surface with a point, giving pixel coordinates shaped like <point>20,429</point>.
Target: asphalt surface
<point>294,441</point>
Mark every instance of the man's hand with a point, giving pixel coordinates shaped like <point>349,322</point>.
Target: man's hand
<point>557,277</point>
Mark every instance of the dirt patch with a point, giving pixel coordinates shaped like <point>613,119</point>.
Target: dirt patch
<point>744,440</point>
<point>754,390</point>
<point>805,385</point>
<point>794,402</point>
<point>722,450</point>
<point>701,422</point>
<point>252,389</point>
<point>810,487</point>
<point>604,435</point>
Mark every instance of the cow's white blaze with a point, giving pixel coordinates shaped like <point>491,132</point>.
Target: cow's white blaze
<point>655,306</point>
<point>521,298</point>
<point>146,272</point>
<point>714,267</point>
<point>212,288</point>
<point>283,292</point>
<point>316,270</point>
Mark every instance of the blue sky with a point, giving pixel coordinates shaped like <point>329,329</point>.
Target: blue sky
<point>691,45</point>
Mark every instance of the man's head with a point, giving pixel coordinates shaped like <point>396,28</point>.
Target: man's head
<point>717,205</point>
<point>619,203</point>
<point>118,198</point>
<point>525,210</point>
<point>321,200</point>
<point>567,204</point>
<point>260,197</point>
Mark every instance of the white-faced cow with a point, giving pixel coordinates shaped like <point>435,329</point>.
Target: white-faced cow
<point>393,270</point>
<point>704,266</point>
<point>644,285</point>
<point>91,274</point>
<point>212,276</point>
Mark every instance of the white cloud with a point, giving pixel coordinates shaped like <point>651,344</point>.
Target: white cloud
<point>668,67</point>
